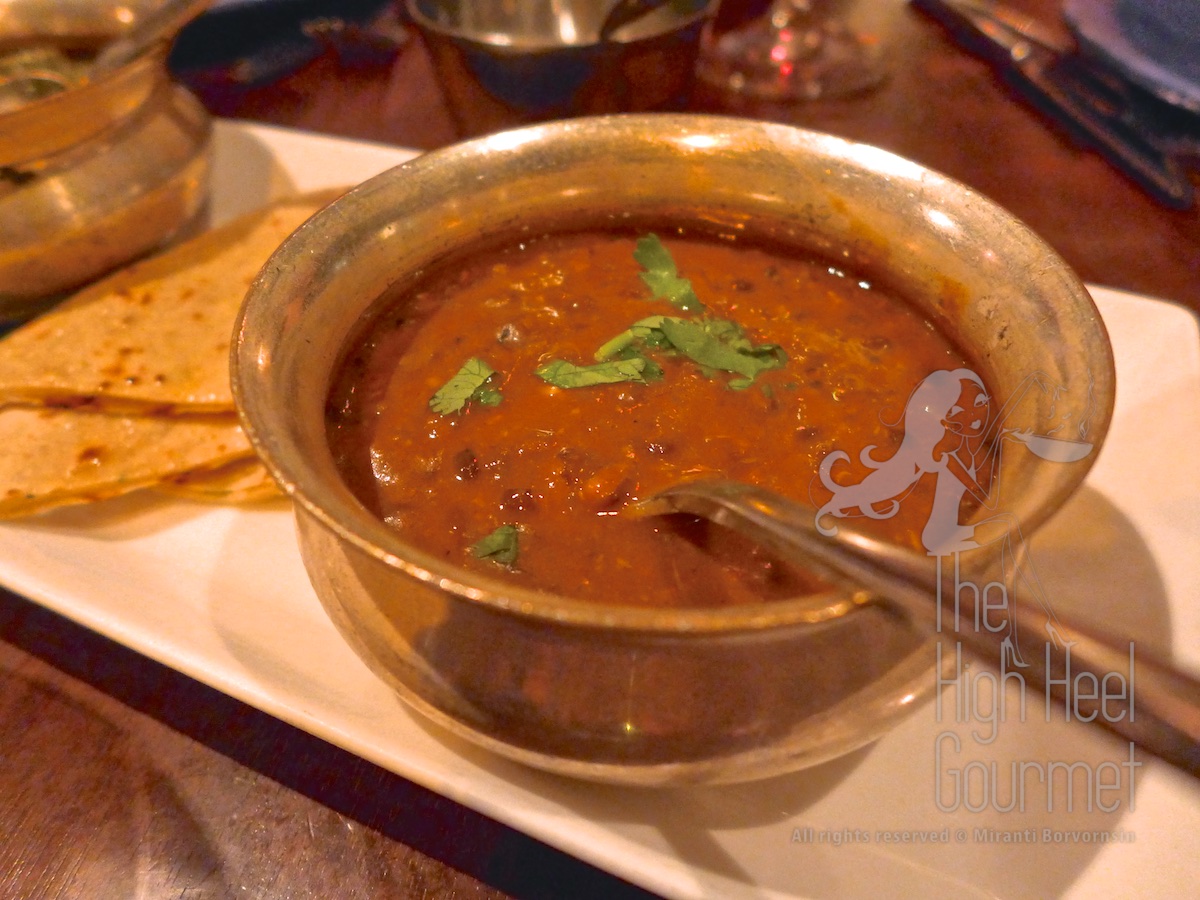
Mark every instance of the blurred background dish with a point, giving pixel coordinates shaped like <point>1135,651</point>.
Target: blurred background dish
<point>98,172</point>
<point>799,50</point>
<point>501,64</point>
<point>1153,43</point>
<point>68,23</point>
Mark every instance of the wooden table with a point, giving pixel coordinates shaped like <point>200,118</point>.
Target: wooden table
<point>122,778</point>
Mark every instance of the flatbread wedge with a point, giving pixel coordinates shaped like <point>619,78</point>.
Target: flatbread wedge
<point>239,482</point>
<point>57,457</point>
<point>154,337</point>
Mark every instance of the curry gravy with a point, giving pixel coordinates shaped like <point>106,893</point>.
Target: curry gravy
<point>560,464</point>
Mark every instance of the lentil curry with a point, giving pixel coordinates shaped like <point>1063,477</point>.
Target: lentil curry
<point>503,412</point>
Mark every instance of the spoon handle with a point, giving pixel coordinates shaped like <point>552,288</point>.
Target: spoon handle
<point>1090,676</point>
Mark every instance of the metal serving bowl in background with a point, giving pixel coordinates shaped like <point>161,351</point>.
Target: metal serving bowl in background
<point>501,64</point>
<point>97,174</point>
<point>617,693</point>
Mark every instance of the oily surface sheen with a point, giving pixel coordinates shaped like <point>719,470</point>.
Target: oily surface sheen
<point>560,464</point>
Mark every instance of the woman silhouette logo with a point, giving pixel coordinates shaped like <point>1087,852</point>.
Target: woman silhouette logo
<point>951,436</point>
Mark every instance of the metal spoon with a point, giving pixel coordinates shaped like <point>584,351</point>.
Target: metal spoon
<point>1163,718</point>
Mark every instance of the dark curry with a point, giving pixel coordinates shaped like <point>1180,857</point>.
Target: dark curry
<point>504,412</point>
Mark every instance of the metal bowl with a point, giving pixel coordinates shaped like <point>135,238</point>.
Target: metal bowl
<point>644,696</point>
<point>95,175</point>
<point>502,64</point>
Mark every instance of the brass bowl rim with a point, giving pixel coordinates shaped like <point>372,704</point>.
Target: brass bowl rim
<point>337,510</point>
<point>546,46</point>
<point>83,99</point>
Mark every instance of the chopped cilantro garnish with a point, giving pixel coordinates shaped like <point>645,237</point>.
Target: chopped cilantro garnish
<point>466,385</point>
<point>729,333</point>
<point>487,396</point>
<point>500,546</point>
<point>563,374</point>
<point>713,344</point>
<point>720,344</point>
<point>645,332</point>
<point>662,277</point>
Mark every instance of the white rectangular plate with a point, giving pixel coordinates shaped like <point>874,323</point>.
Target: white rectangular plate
<point>220,595</point>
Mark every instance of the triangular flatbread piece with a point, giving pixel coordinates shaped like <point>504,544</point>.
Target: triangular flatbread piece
<point>241,481</point>
<point>58,457</point>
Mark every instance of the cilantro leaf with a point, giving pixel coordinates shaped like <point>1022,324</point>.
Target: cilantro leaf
<point>662,277</point>
<point>501,546</point>
<point>652,370</point>
<point>644,332</point>
<point>713,344</point>
<point>729,333</point>
<point>466,385</point>
<point>487,396</point>
<point>563,374</point>
<point>720,344</point>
